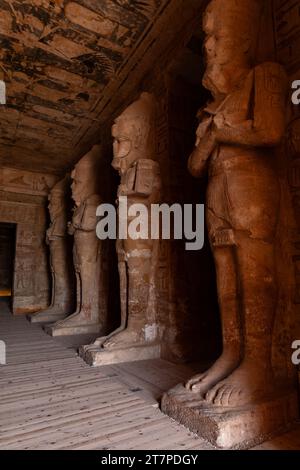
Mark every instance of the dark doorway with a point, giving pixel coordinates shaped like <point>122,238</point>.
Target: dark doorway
<point>7,258</point>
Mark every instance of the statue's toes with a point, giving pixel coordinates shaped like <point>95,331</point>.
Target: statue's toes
<point>211,394</point>
<point>99,342</point>
<point>233,396</point>
<point>108,344</point>
<point>219,396</point>
<point>195,382</point>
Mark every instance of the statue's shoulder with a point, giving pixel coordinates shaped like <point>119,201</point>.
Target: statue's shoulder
<point>93,200</point>
<point>273,74</point>
<point>148,164</point>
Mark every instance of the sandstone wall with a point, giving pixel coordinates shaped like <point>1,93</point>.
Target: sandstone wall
<point>23,201</point>
<point>287,45</point>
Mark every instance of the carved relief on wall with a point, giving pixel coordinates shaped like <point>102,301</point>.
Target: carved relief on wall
<point>287,33</point>
<point>31,282</point>
<point>292,157</point>
<point>17,213</point>
<point>26,182</point>
<point>24,281</point>
<point>31,277</point>
<point>287,37</point>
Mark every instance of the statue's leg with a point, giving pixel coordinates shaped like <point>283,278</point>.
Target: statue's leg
<point>228,297</point>
<point>137,299</point>
<point>61,301</point>
<point>89,292</point>
<point>52,288</point>
<point>87,267</point>
<point>122,266</point>
<point>52,279</point>
<point>76,262</point>
<point>63,286</point>
<point>255,222</point>
<point>78,259</point>
<point>223,246</point>
<point>61,295</point>
<point>254,377</point>
<point>78,290</point>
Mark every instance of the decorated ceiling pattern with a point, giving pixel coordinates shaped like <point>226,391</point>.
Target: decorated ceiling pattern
<point>57,58</point>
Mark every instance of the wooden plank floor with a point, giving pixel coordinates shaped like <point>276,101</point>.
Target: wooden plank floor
<point>50,399</point>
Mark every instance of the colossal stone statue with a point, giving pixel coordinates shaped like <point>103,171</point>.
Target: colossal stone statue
<point>88,317</point>
<point>238,131</point>
<point>134,153</point>
<point>61,268</point>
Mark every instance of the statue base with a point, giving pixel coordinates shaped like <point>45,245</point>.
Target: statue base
<point>64,330</point>
<point>101,357</point>
<point>232,428</point>
<point>46,316</point>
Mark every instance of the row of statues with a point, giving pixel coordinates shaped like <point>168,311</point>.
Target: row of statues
<point>238,130</point>
<point>134,159</point>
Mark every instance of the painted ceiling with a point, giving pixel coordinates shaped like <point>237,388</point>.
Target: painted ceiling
<point>63,63</point>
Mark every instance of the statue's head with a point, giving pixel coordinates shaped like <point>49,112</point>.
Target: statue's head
<point>232,32</point>
<point>57,197</point>
<point>133,133</point>
<point>85,176</point>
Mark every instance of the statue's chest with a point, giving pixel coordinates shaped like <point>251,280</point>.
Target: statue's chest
<point>127,182</point>
<point>78,215</point>
<point>237,107</point>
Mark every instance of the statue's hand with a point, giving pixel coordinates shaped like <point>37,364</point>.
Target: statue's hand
<point>71,228</point>
<point>219,121</point>
<point>202,129</point>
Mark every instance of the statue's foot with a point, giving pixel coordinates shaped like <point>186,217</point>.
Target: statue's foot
<point>49,315</point>
<point>95,346</point>
<point>76,319</point>
<point>55,310</point>
<point>202,383</point>
<point>245,385</point>
<point>126,338</point>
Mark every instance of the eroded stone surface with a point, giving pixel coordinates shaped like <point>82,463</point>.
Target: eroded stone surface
<point>233,428</point>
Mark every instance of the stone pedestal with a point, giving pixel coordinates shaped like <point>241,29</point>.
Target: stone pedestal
<point>64,330</point>
<point>232,428</point>
<point>101,357</point>
<point>46,316</point>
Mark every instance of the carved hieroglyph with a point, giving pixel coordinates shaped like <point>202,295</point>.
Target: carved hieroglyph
<point>134,153</point>
<point>26,182</point>
<point>62,292</point>
<point>87,255</point>
<point>238,131</point>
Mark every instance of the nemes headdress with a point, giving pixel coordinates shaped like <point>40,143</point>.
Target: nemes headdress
<point>143,108</point>
<point>240,17</point>
<point>62,186</point>
<point>90,159</point>
<point>140,121</point>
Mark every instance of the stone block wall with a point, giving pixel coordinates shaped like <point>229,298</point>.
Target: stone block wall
<point>23,201</point>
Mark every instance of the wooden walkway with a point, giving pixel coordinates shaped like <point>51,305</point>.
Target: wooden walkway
<point>50,399</point>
